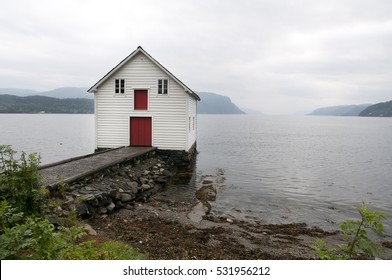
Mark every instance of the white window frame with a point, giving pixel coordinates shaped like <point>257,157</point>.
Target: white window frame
<point>162,93</point>
<point>120,88</point>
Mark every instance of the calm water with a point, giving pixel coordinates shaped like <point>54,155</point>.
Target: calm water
<point>54,136</point>
<point>298,169</point>
<point>277,169</point>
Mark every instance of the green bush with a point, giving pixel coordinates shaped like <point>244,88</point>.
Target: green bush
<point>38,239</point>
<point>26,234</point>
<point>356,235</point>
<point>20,182</point>
<point>112,250</point>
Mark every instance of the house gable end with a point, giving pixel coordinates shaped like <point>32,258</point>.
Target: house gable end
<point>94,88</point>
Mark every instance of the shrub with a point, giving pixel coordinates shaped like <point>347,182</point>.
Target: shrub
<point>20,182</point>
<point>355,233</point>
<point>23,231</point>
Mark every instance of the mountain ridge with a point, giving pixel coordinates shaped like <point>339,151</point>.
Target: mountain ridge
<point>34,104</point>
<point>341,110</point>
<point>61,93</point>
<point>213,103</point>
<point>382,109</point>
<point>14,100</point>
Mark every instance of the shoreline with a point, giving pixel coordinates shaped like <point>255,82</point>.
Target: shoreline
<point>163,230</point>
<point>167,228</point>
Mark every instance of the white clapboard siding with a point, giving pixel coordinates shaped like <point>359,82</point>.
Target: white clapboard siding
<point>170,113</point>
<point>192,123</point>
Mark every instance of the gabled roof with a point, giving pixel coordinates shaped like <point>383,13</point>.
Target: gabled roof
<point>128,58</point>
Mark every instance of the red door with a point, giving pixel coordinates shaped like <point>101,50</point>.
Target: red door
<point>141,131</point>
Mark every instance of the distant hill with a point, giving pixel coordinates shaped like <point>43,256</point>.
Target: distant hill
<point>212,103</point>
<point>378,110</point>
<point>43,104</point>
<point>64,92</point>
<point>343,110</point>
<point>78,100</point>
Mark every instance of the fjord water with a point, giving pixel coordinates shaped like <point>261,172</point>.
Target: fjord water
<point>298,169</point>
<point>306,169</point>
<point>53,136</point>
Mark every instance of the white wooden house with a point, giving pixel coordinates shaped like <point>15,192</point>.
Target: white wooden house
<point>140,103</point>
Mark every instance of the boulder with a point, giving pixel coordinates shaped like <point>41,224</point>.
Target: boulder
<point>146,187</point>
<point>83,211</point>
<point>111,207</point>
<point>102,210</point>
<point>133,186</point>
<point>206,193</point>
<point>126,197</point>
<point>167,173</point>
<point>89,230</point>
<point>103,199</point>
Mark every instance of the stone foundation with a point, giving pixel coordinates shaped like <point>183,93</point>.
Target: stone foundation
<point>122,185</point>
<point>178,158</point>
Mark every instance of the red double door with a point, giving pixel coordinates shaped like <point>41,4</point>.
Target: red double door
<point>141,131</point>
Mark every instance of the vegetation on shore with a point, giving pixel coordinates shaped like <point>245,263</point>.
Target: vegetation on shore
<point>25,230</point>
<point>358,244</point>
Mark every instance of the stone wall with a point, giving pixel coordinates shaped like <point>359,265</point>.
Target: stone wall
<point>119,186</point>
<point>178,158</point>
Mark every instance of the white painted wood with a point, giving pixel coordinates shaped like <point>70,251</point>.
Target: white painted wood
<point>172,113</point>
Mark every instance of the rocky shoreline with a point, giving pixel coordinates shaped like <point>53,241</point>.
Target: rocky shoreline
<point>132,203</point>
<point>113,189</point>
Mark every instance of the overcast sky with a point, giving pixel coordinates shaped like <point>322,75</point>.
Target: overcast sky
<point>278,57</point>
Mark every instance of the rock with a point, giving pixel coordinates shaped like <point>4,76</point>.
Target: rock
<point>146,172</point>
<point>161,179</point>
<point>197,212</point>
<point>114,195</point>
<point>102,210</point>
<point>111,207</point>
<point>83,211</point>
<point>126,197</point>
<point>119,204</point>
<point>128,207</point>
<point>133,186</point>
<point>90,200</point>
<point>89,230</point>
<point>104,199</point>
<point>229,220</point>
<point>68,199</point>
<point>167,173</point>
<point>146,187</point>
<point>206,193</point>
<point>144,180</point>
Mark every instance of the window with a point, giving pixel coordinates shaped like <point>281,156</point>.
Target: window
<point>119,86</point>
<point>163,85</point>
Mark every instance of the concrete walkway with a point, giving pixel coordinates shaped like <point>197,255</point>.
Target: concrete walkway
<point>74,169</point>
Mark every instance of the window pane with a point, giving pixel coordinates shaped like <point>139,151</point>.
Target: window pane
<point>117,86</point>
<point>159,86</point>
<point>122,86</point>
<point>165,86</point>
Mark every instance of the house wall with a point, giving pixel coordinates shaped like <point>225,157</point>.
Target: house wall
<point>192,122</point>
<point>169,112</point>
